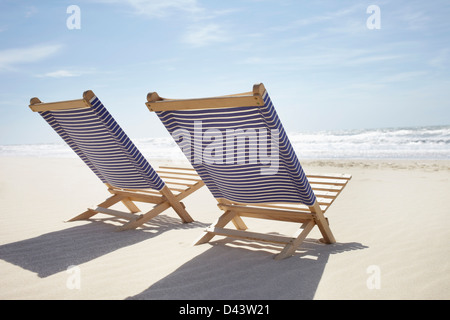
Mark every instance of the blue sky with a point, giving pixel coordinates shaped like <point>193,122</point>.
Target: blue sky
<point>322,65</point>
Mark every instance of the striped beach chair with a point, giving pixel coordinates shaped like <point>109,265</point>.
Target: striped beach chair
<point>239,148</point>
<point>93,134</point>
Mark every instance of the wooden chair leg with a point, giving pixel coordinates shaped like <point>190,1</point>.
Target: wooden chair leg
<point>220,223</point>
<point>300,236</point>
<point>176,205</point>
<point>105,204</point>
<point>131,206</point>
<point>133,224</point>
<point>239,223</point>
<point>322,223</point>
<point>237,220</point>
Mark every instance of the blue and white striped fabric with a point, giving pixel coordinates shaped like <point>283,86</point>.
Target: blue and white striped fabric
<point>99,141</point>
<point>239,181</point>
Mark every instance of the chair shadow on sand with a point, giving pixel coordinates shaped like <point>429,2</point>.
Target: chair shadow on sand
<point>247,271</point>
<point>54,252</point>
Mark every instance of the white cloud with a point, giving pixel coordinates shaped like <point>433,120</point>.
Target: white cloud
<point>415,19</point>
<point>327,16</point>
<point>200,31</point>
<point>158,8</point>
<point>361,60</point>
<point>60,74</point>
<point>11,57</point>
<point>31,11</point>
<point>404,76</point>
<point>337,58</point>
<point>199,36</point>
<point>388,81</point>
<point>163,7</point>
<point>442,58</point>
<point>68,72</point>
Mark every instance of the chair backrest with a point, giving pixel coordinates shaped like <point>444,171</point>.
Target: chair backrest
<point>227,141</point>
<point>93,134</point>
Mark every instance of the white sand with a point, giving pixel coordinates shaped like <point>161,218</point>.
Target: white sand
<point>391,223</point>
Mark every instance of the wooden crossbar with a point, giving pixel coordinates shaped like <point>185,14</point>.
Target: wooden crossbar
<point>180,178</point>
<point>178,173</point>
<point>325,187</point>
<point>116,213</point>
<point>226,102</point>
<point>177,168</point>
<point>250,235</point>
<point>248,99</point>
<point>63,105</point>
<point>336,182</point>
<point>182,183</point>
<point>274,213</point>
<point>330,176</point>
<point>137,196</point>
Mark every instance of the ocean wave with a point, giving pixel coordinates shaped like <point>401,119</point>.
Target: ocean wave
<point>397,143</point>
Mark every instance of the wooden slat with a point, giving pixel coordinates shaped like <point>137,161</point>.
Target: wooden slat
<point>327,181</point>
<point>284,206</point>
<point>90,212</point>
<point>239,94</point>
<point>116,213</point>
<point>249,235</point>
<point>144,191</point>
<point>62,105</point>
<point>291,207</point>
<point>182,183</point>
<point>179,178</point>
<point>135,196</point>
<point>177,168</point>
<point>326,194</point>
<point>326,187</point>
<point>278,216</point>
<point>324,201</point>
<point>264,211</point>
<point>175,189</point>
<point>330,175</point>
<point>177,173</point>
<point>205,103</point>
<point>189,190</point>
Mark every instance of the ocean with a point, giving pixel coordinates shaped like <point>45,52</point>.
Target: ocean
<point>415,143</point>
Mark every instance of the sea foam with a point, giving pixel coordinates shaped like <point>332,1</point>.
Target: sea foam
<point>424,143</point>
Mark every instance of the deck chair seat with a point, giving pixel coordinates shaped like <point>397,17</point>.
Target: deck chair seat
<point>248,178</point>
<point>93,134</point>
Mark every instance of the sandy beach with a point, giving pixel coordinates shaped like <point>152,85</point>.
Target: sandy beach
<point>391,224</point>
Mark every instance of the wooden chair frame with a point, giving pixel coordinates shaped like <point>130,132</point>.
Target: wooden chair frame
<point>326,187</point>
<point>180,182</point>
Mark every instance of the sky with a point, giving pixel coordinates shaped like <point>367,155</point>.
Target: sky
<point>327,64</point>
